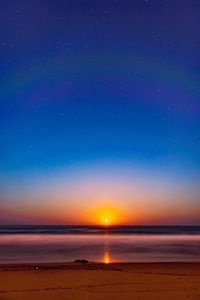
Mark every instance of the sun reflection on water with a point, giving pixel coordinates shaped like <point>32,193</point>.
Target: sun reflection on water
<point>106,255</point>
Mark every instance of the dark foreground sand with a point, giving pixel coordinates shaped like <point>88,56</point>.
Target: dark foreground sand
<point>101,281</point>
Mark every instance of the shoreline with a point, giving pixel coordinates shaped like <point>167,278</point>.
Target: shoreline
<point>100,280</point>
<point>95,263</point>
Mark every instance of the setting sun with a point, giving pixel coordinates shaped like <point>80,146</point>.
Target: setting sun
<point>107,214</point>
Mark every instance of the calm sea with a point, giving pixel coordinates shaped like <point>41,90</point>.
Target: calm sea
<point>96,243</point>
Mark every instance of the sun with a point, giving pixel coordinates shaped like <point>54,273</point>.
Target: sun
<point>106,215</point>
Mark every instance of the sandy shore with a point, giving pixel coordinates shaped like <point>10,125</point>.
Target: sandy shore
<point>101,281</point>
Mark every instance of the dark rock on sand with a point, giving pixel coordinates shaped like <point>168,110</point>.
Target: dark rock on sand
<point>82,261</point>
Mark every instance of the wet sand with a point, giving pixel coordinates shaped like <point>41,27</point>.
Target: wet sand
<point>100,281</point>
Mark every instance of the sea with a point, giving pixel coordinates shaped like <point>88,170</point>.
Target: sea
<point>49,244</point>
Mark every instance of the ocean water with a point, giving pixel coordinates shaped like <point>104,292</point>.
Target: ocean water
<point>99,244</point>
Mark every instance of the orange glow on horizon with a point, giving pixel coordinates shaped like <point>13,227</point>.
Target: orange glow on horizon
<point>107,215</point>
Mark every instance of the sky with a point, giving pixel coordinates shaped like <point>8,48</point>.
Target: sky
<point>100,112</point>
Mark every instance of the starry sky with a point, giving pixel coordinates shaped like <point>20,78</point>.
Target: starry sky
<point>99,111</point>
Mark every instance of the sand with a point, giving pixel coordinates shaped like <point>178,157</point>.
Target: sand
<point>101,281</point>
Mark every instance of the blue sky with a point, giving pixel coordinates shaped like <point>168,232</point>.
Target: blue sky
<point>89,84</point>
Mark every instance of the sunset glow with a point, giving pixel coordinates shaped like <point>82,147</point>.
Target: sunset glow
<point>108,214</point>
<point>110,197</point>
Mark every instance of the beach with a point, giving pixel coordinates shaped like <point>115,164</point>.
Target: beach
<point>100,281</point>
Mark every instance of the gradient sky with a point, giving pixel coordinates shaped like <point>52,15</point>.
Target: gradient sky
<point>99,111</point>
